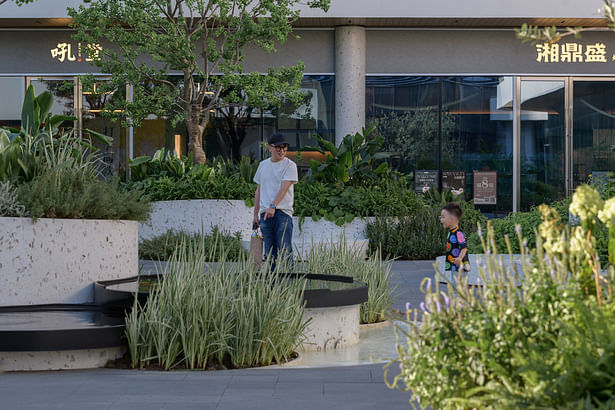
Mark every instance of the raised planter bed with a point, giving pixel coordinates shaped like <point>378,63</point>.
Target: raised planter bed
<point>334,309</point>
<point>196,216</point>
<point>58,260</point>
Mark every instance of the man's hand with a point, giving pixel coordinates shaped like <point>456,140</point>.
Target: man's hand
<point>458,260</point>
<point>255,222</point>
<point>269,213</point>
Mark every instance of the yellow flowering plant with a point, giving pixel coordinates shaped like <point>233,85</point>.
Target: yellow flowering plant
<point>535,334</point>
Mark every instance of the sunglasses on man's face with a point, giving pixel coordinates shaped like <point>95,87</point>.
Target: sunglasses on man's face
<point>281,147</point>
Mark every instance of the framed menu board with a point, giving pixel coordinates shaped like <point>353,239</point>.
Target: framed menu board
<point>455,181</point>
<point>485,187</point>
<point>424,180</point>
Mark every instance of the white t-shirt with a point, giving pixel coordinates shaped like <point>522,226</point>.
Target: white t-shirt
<point>269,177</point>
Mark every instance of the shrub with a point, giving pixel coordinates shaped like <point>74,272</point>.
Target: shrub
<point>506,227</point>
<point>231,317</point>
<point>74,193</point>
<point>357,161</point>
<point>338,258</point>
<point>544,339</point>
<point>416,236</point>
<point>9,204</point>
<point>191,187</point>
<point>162,247</point>
<point>342,204</point>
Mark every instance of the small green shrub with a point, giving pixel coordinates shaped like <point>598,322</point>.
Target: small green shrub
<point>232,317</point>
<point>419,235</point>
<point>342,204</point>
<point>77,194</point>
<point>192,187</point>
<point>162,247</point>
<point>527,221</point>
<point>340,259</point>
<point>9,204</point>
<point>357,161</point>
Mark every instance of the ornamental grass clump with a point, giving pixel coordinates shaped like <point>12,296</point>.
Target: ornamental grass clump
<point>536,335</point>
<point>341,258</point>
<point>233,316</point>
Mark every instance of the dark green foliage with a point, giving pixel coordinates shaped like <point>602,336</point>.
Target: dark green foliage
<point>528,221</point>
<point>418,235</point>
<point>341,204</point>
<point>191,187</point>
<point>167,178</point>
<point>74,193</point>
<point>163,247</point>
<point>357,161</point>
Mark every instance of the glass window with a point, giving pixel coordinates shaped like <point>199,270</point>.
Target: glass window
<point>63,90</point>
<point>476,124</point>
<point>461,124</point>
<point>593,129</point>
<point>404,111</point>
<point>542,142</point>
<point>94,103</point>
<point>12,92</point>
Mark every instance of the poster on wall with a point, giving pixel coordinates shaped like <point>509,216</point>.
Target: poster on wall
<point>485,187</point>
<point>455,181</point>
<point>424,180</point>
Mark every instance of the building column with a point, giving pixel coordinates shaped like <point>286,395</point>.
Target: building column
<point>349,81</point>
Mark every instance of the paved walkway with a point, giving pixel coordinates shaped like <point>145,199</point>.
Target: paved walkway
<point>348,387</point>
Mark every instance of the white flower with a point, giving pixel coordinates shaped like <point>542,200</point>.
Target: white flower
<point>607,214</point>
<point>586,203</point>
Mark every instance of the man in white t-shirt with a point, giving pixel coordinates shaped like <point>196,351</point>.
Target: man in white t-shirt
<point>273,200</point>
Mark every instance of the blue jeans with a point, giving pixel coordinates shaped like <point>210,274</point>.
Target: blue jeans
<point>277,237</point>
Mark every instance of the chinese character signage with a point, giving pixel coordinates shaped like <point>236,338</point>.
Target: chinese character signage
<point>571,53</point>
<point>485,187</point>
<point>455,181</point>
<point>67,52</point>
<point>424,180</point>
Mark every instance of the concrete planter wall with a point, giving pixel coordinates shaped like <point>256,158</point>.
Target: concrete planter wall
<point>312,232</point>
<point>198,215</point>
<point>194,216</point>
<point>58,260</point>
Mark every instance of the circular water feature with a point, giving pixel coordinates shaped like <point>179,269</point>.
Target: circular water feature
<point>60,327</point>
<point>321,291</point>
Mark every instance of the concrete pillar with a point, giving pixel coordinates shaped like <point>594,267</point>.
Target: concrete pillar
<point>349,80</point>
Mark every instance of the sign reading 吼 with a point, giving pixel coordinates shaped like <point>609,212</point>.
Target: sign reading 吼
<point>424,180</point>
<point>572,53</point>
<point>485,187</point>
<point>65,52</point>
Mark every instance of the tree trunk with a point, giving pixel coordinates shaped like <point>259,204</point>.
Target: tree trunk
<point>195,133</point>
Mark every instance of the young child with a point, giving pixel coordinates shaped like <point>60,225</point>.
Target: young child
<point>456,245</point>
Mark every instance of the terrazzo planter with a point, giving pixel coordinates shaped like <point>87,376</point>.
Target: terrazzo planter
<point>312,233</point>
<point>58,260</point>
<point>196,216</point>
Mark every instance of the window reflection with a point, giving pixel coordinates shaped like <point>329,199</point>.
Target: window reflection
<point>594,129</point>
<point>446,124</point>
<point>12,90</point>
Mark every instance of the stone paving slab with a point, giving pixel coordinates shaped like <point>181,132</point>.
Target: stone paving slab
<point>356,387</point>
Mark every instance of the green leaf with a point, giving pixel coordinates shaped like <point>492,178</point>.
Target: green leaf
<point>44,101</point>
<point>105,139</point>
<point>27,111</point>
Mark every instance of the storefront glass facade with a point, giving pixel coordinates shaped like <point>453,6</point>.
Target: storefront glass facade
<point>445,124</point>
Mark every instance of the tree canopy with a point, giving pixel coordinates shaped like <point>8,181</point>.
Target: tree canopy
<point>141,42</point>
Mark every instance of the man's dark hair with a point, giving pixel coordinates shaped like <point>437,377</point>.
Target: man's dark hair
<point>453,208</point>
